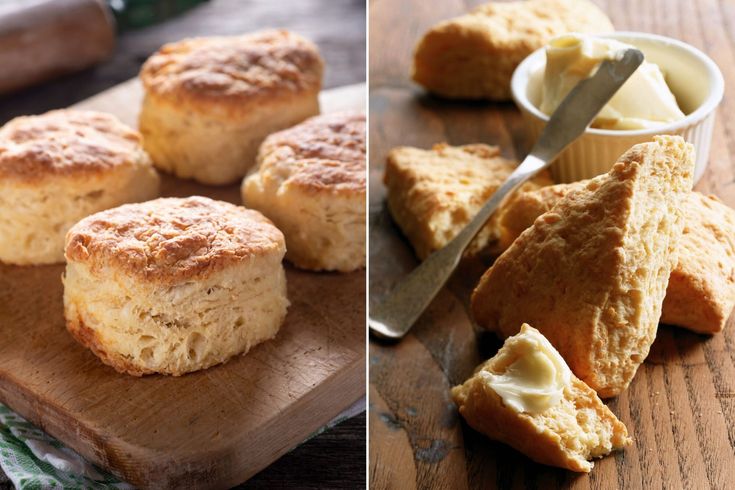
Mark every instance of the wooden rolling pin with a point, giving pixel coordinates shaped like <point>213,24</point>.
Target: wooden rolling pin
<point>42,39</point>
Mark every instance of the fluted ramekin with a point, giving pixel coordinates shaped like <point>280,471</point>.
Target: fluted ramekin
<point>692,76</point>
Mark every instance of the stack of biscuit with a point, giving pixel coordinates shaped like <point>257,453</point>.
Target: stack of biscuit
<point>594,266</point>
<point>584,272</point>
<point>174,285</point>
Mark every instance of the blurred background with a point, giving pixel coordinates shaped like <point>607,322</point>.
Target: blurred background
<point>57,52</point>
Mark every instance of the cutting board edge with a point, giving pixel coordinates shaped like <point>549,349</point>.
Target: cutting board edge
<point>330,397</point>
<point>145,467</point>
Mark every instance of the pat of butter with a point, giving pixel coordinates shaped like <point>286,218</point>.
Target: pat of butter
<point>644,101</point>
<point>535,374</point>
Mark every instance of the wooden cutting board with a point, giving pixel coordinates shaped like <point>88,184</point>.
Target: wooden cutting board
<point>680,408</point>
<point>210,429</point>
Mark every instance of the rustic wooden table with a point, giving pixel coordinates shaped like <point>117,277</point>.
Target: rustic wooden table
<point>681,406</point>
<point>336,458</point>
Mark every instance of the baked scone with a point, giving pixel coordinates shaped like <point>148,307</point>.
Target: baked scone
<point>59,167</point>
<point>210,102</point>
<point>174,285</point>
<point>591,274</point>
<point>701,291</point>
<point>520,214</point>
<point>527,397</point>
<point>310,181</point>
<point>473,56</point>
<point>433,194</point>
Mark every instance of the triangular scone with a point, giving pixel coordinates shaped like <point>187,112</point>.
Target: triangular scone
<point>433,194</point>
<point>519,215</point>
<point>473,56</point>
<point>527,397</point>
<point>701,291</point>
<point>591,274</point>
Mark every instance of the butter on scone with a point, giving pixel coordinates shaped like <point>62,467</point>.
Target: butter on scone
<point>310,180</point>
<point>527,397</point>
<point>473,56</point>
<point>58,167</point>
<point>433,194</point>
<point>591,274</point>
<point>701,291</point>
<point>210,102</point>
<point>174,285</point>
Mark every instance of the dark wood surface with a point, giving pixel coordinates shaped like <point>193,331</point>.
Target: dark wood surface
<point>334,459</point>
<point>338,27</point>
<point>341,448</point>
<point>680,407</point>
<point>209,429</point>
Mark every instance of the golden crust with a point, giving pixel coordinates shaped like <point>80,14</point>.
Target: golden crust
<point>473,56</point>
<point>233,75</point>
<point>519,215</point>
<point>553,437</point>
<point>701,291</point>
<point>433,194</point>
<point>311,181</point>
<point>325,153</point>
<point>171,239</point>
<point>591,273</point>
<point>66,143</point>
<point>92,340</point>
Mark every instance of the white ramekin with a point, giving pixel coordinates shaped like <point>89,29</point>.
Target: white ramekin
<point>692,76</point>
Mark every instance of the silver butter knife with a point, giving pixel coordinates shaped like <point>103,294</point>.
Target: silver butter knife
<point>393,317</point>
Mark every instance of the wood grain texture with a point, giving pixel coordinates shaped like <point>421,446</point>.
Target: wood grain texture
<point>339,31</point>
<point>332,460</point>
<point>680,407</point>
<point>213,428</point>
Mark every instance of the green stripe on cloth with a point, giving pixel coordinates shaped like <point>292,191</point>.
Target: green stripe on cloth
<point>32,460</point>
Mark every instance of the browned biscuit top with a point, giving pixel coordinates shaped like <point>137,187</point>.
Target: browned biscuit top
<point>324,153</point>
<point>172,239</point>
<point>65,142</point>
<point>534,22</point>
<point>232,70</point>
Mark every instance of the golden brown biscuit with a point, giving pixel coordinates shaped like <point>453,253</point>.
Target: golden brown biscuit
<point>210,102</point>
<point>433,194</point>
<point>59,167</point>
<point>591,274</point>
<point>520,214</point>
<point>310,181</point>
<point>173,285</point>
<point>566,428</point>
<point>701,291</point>
<point>473,56</point>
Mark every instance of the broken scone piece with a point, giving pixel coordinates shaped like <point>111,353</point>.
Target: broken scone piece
<point>433,194</point>
<point>701,291</point>
<point>473,56</point>
<point>591,274</point>
<point>527,397</point>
